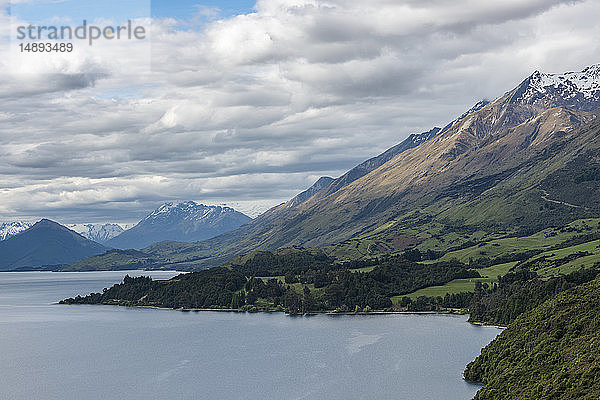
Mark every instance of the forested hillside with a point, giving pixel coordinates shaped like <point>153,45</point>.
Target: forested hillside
<point>549,352</point>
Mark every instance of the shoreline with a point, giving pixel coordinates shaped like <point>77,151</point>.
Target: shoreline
<point>450,311</point>
<point>329,312</point>
<point>92,271</point>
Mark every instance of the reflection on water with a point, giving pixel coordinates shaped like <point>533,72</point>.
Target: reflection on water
<point>360,340</point>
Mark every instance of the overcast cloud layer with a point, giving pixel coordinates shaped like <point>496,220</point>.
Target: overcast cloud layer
<point>250,110</point>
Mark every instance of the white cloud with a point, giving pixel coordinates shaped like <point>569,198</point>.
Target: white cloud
<point>252,109</point>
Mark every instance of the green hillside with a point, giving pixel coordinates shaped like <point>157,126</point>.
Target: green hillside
<point>113,260</point>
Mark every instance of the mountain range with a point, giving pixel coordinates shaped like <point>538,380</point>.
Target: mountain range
<point>524,161</point>
<point>97,232</point>
<point>100,233</point>
<point>50,245</point>
<point>186,222</point>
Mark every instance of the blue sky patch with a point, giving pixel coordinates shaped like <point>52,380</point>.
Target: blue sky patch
<point>54,12</point>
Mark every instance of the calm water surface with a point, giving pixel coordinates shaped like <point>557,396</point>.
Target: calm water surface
<point>51,351</point>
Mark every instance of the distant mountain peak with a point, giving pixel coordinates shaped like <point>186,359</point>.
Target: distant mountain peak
<point>12,228</point>
<point>580,90</point>
<point>163,209</point>
<point>45,222</point>
<point>186,221</point>
<point>323,180</point>
<point>478,106</point>
<point>100,233</point>
<point>185,209</point>
<point>587,81</point>
<point>413,140</point>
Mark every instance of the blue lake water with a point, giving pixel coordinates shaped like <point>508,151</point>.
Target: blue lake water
<point>50,351</point>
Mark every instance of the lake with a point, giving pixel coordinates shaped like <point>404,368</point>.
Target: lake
<point>50,351</point>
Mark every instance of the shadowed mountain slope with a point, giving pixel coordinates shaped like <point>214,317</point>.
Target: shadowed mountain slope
<point>44,244</point>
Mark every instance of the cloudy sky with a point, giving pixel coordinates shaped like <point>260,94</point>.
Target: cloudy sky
<point>249,103</point>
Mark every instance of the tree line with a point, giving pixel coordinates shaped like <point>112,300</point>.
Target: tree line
<point>311,282</point>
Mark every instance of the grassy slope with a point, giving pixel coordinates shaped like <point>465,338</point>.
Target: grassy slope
<point>592,247</point>
<point>498,247</point>
<point>489,275</point>
<point>550,352</point>
<point>539,241</point>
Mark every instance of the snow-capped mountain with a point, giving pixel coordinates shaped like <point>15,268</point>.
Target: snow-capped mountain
<point>579,90</point>
<point>185,222</point>
<point>9,229</point>
<point>100,233</point>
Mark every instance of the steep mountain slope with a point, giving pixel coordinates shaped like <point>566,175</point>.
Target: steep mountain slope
<point>373,163</point>
<point>100,233</point>
<point>9,229</point>
<point>258,233</point>
<point>480,151</point>
<point>185,222</point>
<point>319,185</point>
<point>45,243</point>
<point>484,149</point>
